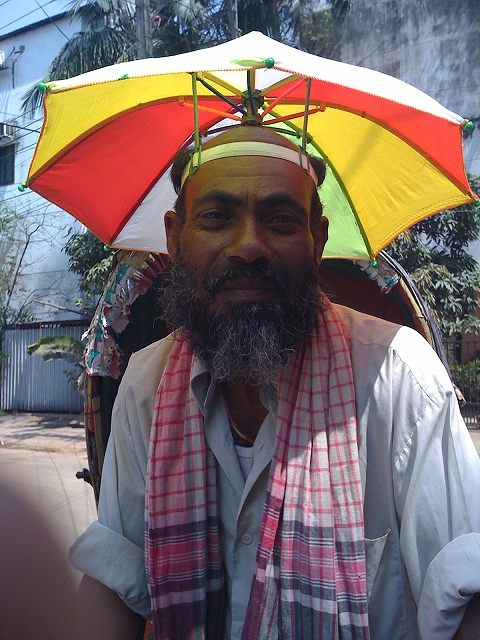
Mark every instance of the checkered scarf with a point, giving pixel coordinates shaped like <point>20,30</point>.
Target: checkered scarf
<point>310,577</point>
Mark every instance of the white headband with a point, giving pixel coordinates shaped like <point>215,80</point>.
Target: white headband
<point>249,148</point>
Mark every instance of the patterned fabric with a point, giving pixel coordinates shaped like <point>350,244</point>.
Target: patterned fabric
<point>310,578</point>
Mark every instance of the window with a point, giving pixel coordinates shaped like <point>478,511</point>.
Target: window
<point>7,165</point>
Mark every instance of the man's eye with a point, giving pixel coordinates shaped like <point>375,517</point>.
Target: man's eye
<point>213,218</point>
<point>215,214</point>
<point>283,218</point>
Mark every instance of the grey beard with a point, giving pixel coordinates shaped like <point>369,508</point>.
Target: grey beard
<point>250,341</point>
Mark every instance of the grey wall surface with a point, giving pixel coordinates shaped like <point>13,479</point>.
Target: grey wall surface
<point>36,39</point>
<point>431,44</point>
<point>29,383</point>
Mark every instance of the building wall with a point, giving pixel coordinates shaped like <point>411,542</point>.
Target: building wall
<point>30,42</point>
<point>431,44</point>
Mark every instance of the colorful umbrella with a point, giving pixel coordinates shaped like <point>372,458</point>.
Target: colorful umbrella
<point>394,154</point>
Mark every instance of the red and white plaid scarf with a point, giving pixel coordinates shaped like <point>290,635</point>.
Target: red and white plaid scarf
<point>310,580</point>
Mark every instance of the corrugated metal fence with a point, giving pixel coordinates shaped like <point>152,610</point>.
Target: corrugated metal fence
<point>464,360</point>
<point>28,383</point>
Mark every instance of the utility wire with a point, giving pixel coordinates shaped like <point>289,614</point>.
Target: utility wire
<point>2,27</point>
<point>51,20</point>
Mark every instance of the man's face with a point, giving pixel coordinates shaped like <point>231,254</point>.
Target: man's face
<point>248,211</point>
<point>244,283</point>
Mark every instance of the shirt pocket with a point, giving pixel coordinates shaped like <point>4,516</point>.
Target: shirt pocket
<point>374,548</point>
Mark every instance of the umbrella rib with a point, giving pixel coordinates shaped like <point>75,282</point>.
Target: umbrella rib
<point>340,182</point>
<point>222,83</point>
<point>283,95</point>
<point>220,95</point>
<point>292,116</point>
<point>200,107</point>
<point>281,83</point>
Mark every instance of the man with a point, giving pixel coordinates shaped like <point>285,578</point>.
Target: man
<point>284,431</point>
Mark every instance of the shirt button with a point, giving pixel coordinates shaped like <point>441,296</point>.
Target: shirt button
<point>247,538</point>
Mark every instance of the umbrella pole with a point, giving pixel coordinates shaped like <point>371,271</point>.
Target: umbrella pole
<point>305,117</point>
<point>196,133</point>
<point>253,100</point>
<point>250,87</point>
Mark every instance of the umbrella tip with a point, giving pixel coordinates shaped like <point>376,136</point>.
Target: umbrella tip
<point>468,126</point>
<point>42,87</point>
<point>22,187</point>
<point>269,63</point>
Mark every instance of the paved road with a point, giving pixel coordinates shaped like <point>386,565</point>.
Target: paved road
<point>40,455</point>
<point>48,481</point>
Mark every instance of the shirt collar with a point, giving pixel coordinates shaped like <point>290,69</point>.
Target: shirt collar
<point>204,386</point>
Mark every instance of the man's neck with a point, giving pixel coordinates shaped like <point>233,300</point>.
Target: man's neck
<point>245,408</point>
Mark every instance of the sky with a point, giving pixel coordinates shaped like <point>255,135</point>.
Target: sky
<point>16,14</point>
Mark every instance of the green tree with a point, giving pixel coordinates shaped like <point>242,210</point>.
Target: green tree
<point>435,254</point>
<point>276,18</point>
<point>12,254</point>
<point>20,231</point>
<point>319,31</point>
<point>91,260</point>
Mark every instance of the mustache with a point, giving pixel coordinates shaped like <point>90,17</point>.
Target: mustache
<point>250,271</point>
<point>253,340</point>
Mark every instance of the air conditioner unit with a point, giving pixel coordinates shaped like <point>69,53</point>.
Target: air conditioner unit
<point>7,129</point>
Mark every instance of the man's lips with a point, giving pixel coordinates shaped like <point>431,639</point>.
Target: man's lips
<point>249,284</point>
<point>248,289</point>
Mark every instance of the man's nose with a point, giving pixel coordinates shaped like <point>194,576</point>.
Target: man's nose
<point>248,242</point>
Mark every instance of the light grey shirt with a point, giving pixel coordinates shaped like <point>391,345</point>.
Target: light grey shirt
<point>240,498</point>
<point>420,477</point>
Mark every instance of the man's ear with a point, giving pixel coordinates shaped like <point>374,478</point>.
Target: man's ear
<point>172,230</point>
<point>321,236</point>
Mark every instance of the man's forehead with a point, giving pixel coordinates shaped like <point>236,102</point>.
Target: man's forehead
<point>248,148</point>
<point>246,176</point>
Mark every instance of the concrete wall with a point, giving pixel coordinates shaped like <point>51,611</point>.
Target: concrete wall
<point>30,42</point>
<point>431,44</point>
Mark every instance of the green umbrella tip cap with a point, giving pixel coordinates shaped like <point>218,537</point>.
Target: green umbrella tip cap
<point>373,262</point>
<point>269,63</point>
<point>42,87</point>
<point>22,187</point>
<point>106,248</point>
<point>124,77</point>
<point>468,126</point>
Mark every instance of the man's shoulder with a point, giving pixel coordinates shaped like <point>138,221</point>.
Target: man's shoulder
<point>370,330</point>
<point>375,342</point>
<point>149,363</point>
<point>160,349</point>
